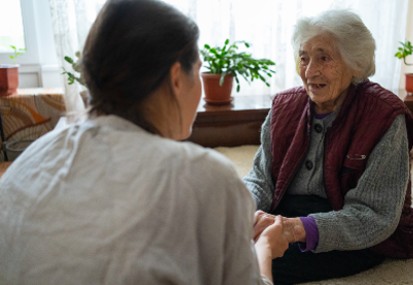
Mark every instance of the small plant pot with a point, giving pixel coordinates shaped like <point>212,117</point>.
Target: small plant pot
<point>409,83</point>
<point>9,80</point>
<point>216,94</point>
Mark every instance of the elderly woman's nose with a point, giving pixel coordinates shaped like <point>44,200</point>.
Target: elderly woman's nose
<point>313,68</point>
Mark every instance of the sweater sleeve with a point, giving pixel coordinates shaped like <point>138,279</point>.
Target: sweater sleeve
<point>372,210</point>
<point>258,180</point>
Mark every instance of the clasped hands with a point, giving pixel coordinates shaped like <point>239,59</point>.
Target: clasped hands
<point>291,229</point>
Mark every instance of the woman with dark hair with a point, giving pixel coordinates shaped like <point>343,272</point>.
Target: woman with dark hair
<point>117,199</point>
<point>334,157</point>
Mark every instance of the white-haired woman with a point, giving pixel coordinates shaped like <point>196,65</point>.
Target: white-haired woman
<point>334,157</point>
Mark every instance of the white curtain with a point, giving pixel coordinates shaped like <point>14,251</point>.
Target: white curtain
<point>266,24</point>
<point>71,21</point>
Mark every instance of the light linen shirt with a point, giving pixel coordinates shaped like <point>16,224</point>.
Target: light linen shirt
<point>105,202</point>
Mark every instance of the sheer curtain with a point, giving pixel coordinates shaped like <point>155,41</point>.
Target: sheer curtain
<point>266,24</point>
<point>71,22</point>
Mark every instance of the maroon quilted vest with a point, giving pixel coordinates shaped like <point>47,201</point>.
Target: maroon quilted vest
<point>366,114</point>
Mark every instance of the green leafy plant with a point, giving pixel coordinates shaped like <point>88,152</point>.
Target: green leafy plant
<point>74,75</point>
<point>16,52</point>
<point>404,50</point>
<point>228,59</point>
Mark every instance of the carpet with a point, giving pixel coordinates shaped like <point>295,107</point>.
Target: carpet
<point>393,272</point>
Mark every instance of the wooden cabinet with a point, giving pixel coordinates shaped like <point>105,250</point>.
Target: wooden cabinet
<point>239,123</point>
<point>408,100</point>
<point>235,124</point>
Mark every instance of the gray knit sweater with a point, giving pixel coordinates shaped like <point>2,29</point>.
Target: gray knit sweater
<point>371,211</point>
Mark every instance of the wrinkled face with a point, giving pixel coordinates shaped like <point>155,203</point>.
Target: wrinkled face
<point>325,75</point>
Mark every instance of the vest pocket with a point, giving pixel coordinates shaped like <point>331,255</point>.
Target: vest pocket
<point>353,168</point>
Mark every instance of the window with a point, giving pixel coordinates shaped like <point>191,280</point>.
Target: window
<point>266,24</point>
<point>11,26</point>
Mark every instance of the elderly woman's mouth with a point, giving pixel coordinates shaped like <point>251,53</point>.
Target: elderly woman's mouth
<point>316,85</point>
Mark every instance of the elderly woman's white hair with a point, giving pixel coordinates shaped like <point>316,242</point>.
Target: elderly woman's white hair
<point>352,38</point>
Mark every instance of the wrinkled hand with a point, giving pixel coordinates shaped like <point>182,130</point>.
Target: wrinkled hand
<point>294,230</point>
<point>261,221</point>
<point>273,237</point>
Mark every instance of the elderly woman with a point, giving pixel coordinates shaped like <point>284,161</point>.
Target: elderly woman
<point>118,199</point>
<point>334,157</point>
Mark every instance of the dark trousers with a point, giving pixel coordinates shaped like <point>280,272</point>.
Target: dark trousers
<point>296,266</point>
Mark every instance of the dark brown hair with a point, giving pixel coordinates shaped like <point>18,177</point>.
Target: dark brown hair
<point>129,52</point>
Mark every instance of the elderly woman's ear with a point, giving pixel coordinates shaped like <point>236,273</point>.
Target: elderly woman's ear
<point>357,76</point>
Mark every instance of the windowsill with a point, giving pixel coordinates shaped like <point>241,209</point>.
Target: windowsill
<point>40,91</point>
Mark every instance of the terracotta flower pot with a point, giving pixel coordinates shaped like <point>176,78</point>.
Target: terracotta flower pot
<point>216,94</point>
<point>409,83</point>
<point>9,79</point>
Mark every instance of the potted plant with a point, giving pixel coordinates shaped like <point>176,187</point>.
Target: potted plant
<point>9,74</point>
<point>226,63</point>
<point>75,75</point>
<point>404,50</point>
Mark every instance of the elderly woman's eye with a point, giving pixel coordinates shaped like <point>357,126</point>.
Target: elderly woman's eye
<point>325,58</point>
<point>303,60</point>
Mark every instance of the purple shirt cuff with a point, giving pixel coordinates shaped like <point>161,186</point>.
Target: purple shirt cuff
<point>311,231</point>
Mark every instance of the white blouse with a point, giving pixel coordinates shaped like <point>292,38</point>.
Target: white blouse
<point>105,202</point>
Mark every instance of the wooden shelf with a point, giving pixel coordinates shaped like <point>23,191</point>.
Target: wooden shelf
<point>239,123</point>
<point>408,100</point>
<point>234,124</point>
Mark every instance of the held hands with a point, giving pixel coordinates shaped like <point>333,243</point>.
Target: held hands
<point>272,234</point>
<point>261,221</point>
<point>292,229</point>
<point>271,238</point>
